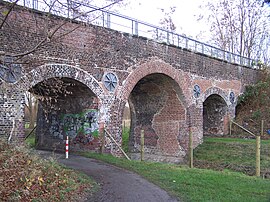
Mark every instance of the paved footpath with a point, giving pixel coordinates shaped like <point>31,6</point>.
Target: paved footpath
<point>117,185</point>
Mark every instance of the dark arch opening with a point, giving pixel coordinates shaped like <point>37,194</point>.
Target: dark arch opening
<point>215,116</point>
<point>66,107</point>
<point>156,106</point>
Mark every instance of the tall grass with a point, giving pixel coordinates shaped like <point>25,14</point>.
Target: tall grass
<point>196,184</point>
<point>232,153</point>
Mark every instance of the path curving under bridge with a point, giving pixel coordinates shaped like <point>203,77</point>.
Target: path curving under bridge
<point>117,184</point>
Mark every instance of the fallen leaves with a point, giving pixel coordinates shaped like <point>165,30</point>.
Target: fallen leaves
<point>24,177</point>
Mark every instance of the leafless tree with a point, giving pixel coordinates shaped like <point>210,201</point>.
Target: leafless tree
<point>166,22</point>
<point>239,26</point>
<point>73,10</point>
<point>79,10</point>
<point>31,105</point>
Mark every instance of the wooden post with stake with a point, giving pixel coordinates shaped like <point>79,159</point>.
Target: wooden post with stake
<point>142,145</point>
<point>258,152</point>
<point>258,145</point>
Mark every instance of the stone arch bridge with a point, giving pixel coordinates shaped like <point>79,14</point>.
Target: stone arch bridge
<point>171,91</point>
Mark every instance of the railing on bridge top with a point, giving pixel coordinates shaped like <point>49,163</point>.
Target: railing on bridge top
<point>116,21</point>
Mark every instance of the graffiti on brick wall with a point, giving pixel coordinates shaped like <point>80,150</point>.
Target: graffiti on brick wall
<point>82,127</point>
<point>55,128</point>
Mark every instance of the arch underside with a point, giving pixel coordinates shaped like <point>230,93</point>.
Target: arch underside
<point>71,109</point>
<point>215,116</point>
<point>156,107</point>
<point>68,106</point>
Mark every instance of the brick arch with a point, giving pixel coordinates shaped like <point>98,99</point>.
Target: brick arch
<point>216,116</point>
<point>152,109</point>
<point>217,91</point>
<point>48,71</point>
<point>152,67</point>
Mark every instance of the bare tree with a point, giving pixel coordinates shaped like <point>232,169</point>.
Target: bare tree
<point>79,10</point>
<point>166,23</point>
<point>49,32</point>
<point>239,26</point>
<point>31,104</point>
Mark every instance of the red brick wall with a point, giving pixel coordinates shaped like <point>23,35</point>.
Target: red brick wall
<point>89,52</point>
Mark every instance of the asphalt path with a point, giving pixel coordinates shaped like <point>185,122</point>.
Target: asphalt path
<point>117,184</point>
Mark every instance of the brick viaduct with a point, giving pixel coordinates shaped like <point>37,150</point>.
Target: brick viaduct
<point>156,79</point>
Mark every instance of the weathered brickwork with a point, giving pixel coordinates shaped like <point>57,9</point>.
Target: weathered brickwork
<point>156,79</point>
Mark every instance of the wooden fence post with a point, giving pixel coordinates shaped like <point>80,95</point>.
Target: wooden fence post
<point>262,127</point>
<point>190,150</point>
<point>258,156</point>
<point>258,151</point>
<point>230,127</point>
<point>142,145</point>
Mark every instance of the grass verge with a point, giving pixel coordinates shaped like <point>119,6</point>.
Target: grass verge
<point>125,138</point>
<point>27,177</point>
<point>30,141</point>
<point>232,153</point>
<point>196,184</point>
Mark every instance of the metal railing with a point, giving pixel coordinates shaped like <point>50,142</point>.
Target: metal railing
<point>109,19</point>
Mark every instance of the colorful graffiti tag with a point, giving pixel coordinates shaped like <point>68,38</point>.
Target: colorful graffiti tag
<point>82,127</point>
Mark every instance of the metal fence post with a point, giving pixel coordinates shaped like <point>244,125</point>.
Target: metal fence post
<point>202,48</point>
<point>136,28</point>
<point>103,19</point>
<point>35,4</point>
<point>132,27</point>
<point>108,20</point>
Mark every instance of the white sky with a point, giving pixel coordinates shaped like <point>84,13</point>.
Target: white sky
<point>185,15</point>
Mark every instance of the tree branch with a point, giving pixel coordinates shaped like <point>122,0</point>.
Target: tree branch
<point>9,11</point>
<point>47,39</point>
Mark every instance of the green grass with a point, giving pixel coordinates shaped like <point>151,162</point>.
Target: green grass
<point>31,141</point>
<point>196,184</point>
<point>125,139</point>
<point>232,153</point>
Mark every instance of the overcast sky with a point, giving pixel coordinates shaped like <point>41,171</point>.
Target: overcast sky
<point>185,15</point>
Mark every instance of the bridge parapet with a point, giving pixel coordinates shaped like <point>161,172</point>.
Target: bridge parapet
<point>116,21</point>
